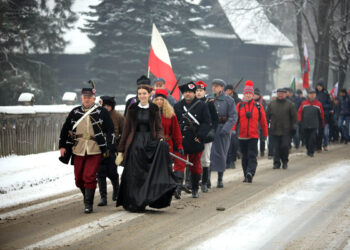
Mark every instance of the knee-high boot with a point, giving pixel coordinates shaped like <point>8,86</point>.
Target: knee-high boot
<point>220,182</point>
<point>83,192</point>
<point>187,187</point>
<point>195,185</point>
<point>89,200</point>
<point>179,180</point>
<point>208,181</point>
<point>115,184</point>
<point>205,174</point>
<point>102,185</point>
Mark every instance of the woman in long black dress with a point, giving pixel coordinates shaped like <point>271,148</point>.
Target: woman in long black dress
<point>147,178</point>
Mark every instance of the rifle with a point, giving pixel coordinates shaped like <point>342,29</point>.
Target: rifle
<point>237,84</point>
<point>176,84</point>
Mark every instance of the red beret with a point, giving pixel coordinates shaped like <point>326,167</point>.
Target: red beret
<point>161,92</point>
<point>201,85</point>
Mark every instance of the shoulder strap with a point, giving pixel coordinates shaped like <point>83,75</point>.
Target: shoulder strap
<point>86,114</point>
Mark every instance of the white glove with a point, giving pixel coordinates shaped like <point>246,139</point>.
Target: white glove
<point>119,159</point>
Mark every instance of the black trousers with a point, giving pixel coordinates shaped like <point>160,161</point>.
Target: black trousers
<point>270,145</point>
<point>310,135</point>
<point>261,141</point>
<point>280,149</point>
<point>233,149</point>
<point>319,139</point>
<point>249,150</point>
<point>108,169</point>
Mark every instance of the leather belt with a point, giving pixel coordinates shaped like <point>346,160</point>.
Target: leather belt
<point>222,119</point>
<point>85,136</point>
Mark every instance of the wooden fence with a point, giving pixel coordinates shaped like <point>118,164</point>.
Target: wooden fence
<point>24,134</point>
<point>32,133</point>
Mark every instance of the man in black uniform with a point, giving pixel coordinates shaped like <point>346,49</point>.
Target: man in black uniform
<point>194,120</point>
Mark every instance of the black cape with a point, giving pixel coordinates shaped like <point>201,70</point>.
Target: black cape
<point>147,178</point>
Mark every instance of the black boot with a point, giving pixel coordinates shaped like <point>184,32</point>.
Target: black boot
<point>205,174</point>
<point>83,192</point>
<point>195,185</point>
<point>179,180</point>
<point>115,184</point>
<point>208,181</point>
<point>249,177</point>
<point>89,200</point>
<point>102,185</point>
<point>285,165</point>
<point>220,183</point>
<point>187,187</point>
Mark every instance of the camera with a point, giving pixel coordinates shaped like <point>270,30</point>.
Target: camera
<point>248,114</point>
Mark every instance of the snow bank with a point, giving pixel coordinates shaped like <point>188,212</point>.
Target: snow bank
<point>20,109</point>
<point>26,97</point>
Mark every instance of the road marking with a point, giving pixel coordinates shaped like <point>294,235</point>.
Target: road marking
<point>85,231</point>
<point>37,207</point>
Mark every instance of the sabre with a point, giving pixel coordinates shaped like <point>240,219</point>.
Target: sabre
<point>179,158</point>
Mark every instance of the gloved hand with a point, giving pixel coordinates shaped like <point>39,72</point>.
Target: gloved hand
<point>119,159</point>
<point>181,151</point>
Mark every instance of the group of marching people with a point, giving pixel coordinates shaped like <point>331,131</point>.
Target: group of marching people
<point>158,138</point>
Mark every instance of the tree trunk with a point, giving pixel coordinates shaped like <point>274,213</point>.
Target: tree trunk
<point>344,59</point>
<point>321,67</point>
<point>299,32</point>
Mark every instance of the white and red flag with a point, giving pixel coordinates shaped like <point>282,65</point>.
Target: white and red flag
<point>159,62</point>
<point>306,69</point>
<point>334,91</point>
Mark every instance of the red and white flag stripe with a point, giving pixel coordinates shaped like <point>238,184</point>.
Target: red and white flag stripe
<point>306,69</point>
<point>159,62</point>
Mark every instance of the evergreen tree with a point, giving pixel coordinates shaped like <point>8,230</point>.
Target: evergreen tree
<point>28,27</point>
<point>121,31</point>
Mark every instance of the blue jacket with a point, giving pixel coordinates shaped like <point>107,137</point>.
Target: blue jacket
<point>344,105</point>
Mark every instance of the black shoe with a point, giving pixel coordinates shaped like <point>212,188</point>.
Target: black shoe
<point>310,154</point>
<point>285,165</point>
<point>103,202</point>
<point>195,193</point>
<point>204,188</point>
<point>270,157</point>
<point>179,180</point>
<point>249,178</point>
<point>276,166</point>
<point>262,154</point>
<point>245,179</point>
<point>205,176</point>
<point>115,185</point>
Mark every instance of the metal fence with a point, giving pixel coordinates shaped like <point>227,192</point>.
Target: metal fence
<point>24,134</point>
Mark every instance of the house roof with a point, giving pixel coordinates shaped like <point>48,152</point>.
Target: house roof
<point>213,34</point>
<point>251,24</point>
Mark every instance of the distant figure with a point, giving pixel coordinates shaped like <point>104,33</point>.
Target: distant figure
<point>250,116</point>
<point>282,117</point>
<point>260,101</point>
<point>159,83</point>
<point>344,114</point>
<point>311,116</point>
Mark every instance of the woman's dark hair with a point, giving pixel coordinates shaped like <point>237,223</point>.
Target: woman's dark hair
<point>146,87</point>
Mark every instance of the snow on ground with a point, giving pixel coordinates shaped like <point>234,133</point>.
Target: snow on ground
<point>254,229</point>
<point>32,177</point>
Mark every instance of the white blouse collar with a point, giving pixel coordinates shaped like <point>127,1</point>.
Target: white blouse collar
<point>143,107</point>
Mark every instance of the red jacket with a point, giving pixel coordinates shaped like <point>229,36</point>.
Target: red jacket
<point>172,133</point>
<point>249,127</point>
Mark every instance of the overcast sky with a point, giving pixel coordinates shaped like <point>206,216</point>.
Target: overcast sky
<point>79,42</point>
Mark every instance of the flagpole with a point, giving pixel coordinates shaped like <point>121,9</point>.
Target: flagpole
<point>148,71</point>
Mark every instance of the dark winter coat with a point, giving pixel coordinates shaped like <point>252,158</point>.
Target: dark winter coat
<point>100,120</point>
<point>130,125</point>
<point>201,114</point>
<point>344,105</point>
<point>311,115</point>
<point>118,122</point>
<point>325,99</point>
<point>282,117</point>
<point>213,118</point>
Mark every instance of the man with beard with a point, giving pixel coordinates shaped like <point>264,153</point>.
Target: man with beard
<point>194,120</point>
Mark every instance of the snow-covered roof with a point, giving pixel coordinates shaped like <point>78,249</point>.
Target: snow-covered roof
<point>69,96</point>
<point>251,24</point>
<point>213,34</point>
<point>19,109</point>
<point>26,97</point>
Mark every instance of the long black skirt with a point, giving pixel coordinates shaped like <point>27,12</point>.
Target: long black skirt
<point>147,179</point>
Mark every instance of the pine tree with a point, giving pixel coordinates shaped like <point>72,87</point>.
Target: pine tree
<point>28,27</point>
<point>121,31</point>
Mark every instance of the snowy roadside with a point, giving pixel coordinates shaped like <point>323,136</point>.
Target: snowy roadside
<point>276,213</point>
